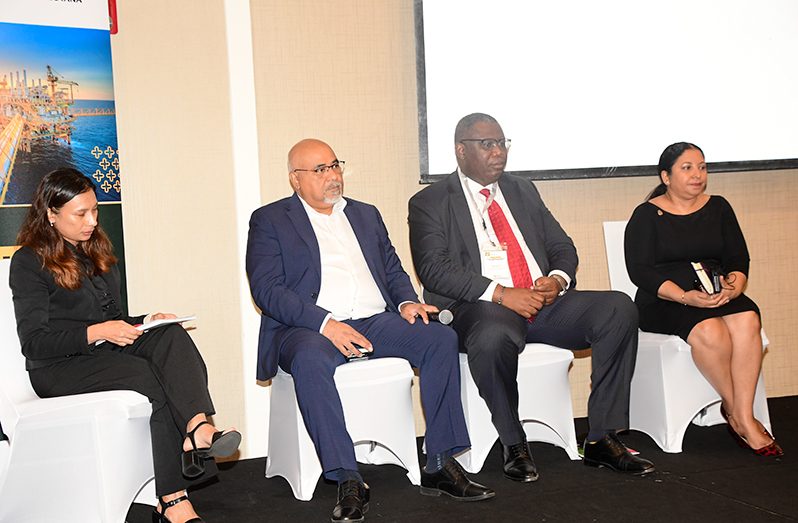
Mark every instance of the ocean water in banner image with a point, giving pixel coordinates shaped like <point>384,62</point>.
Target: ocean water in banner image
<point>91,147</point>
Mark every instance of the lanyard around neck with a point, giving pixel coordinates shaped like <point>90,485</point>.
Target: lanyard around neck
<point>481,212</point>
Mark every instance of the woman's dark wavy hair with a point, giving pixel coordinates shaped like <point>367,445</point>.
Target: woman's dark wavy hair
<point>666,161</point>
<point>55,190</point>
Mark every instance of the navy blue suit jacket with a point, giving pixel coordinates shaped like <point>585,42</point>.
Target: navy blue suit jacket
<point>284,269</point>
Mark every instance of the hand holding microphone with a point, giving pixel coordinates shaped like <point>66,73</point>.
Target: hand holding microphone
<point>410,311</point>
<point>444,317</point>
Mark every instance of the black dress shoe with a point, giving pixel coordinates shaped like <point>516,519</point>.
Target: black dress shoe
<point>353,501</point>
<point>452,481</point>
<point>610,452</point>
<point>518,463</point>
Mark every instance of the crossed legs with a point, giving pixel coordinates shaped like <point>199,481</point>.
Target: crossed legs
<point>728,352</point>
<point>165,366</point>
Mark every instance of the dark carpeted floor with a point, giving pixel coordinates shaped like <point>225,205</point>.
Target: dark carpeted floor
<point>711,480</point>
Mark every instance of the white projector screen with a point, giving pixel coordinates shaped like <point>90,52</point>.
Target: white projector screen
<point>592,89</point>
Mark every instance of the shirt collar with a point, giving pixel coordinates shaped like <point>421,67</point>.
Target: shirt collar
<point>472,186</point>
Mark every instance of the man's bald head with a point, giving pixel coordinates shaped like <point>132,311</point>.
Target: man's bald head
<point>323,189</point>
<point>305,150</point>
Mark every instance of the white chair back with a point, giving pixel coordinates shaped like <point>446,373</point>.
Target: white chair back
<point>15,387</point>
<point>616,262</point>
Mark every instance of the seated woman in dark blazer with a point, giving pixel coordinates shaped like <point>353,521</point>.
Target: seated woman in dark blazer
<point>65,285</point>
<point>678,225</point>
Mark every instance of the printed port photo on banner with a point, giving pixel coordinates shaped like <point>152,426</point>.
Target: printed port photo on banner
<point>56,91</point>
<point>56,107</point>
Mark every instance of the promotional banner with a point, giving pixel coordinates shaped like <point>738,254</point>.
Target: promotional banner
<point>56,106</point>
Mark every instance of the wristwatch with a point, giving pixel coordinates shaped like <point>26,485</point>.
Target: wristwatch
<point>562,283</point>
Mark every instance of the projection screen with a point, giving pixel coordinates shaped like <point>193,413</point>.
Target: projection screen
<point>593,89</point>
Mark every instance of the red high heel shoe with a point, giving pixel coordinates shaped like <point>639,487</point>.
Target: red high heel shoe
<point>772,449</point>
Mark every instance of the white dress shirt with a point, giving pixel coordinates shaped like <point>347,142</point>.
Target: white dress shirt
<point>486,236</point>
<point>348,289</point>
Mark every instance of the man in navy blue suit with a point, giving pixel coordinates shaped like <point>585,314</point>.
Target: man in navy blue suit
<point>330,286</point>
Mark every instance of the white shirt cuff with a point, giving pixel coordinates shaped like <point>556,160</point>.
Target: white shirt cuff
<point>488,294</point>
<point>324,323</point>
<point>399,308</point>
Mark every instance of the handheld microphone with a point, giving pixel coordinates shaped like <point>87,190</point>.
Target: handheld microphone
<point>444,317</point>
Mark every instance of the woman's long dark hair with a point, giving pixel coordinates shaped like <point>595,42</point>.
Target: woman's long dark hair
<point>55,190</point>
<point>666,161</point>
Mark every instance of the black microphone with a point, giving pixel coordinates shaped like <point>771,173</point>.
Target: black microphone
<point>444,317</point>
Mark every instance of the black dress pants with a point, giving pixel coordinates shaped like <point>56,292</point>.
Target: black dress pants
<point>164,365</point>
<point>493,336</point>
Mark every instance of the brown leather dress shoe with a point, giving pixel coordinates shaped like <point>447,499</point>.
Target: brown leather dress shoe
<point>353,502</point>
<point>452,481</point>
<point>518,463</point>
<point>611,453</point>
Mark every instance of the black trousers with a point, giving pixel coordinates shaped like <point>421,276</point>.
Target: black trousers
<point>493,336</point>
<point>164,365</point>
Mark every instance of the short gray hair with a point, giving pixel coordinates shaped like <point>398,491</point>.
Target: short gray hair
<point>467,122</point>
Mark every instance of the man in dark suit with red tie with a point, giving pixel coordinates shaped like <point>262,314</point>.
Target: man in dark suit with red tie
<point>486,247</point>
<point>329,284</point>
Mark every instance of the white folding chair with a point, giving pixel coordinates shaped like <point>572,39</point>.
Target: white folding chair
<point>82,458</point>
<point>378,410</point>
<point>668,390</point>
<point>544,404</point>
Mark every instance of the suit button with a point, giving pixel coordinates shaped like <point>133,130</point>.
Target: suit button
<point>314,295</point>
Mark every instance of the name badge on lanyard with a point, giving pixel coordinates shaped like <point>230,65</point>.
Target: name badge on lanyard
<point>494,260</point>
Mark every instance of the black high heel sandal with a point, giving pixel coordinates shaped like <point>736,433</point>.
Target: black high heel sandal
<point>223,444</point>
<point>160,517</point>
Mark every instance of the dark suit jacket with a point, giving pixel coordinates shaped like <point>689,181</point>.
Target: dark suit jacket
<point>284,269</point>
<point>444,243</point>
<point>52,320</point>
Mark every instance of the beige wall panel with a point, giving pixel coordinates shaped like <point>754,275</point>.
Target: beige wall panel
<point>345,72</point>
<point>172,102</point>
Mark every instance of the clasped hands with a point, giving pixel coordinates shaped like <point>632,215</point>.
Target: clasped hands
<point>528,302</point>
<point>345,338</point>
<point>120,332</point>
<point>699,298</point>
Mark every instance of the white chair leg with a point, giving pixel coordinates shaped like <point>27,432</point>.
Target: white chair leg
<point>383,436</point>
<point>544,405</point>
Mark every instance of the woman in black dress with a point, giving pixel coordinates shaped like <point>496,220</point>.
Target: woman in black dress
<point>65,285</point>
<point>678,225</point>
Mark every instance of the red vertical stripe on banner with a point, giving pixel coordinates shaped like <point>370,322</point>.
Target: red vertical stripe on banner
<point>112,17</point>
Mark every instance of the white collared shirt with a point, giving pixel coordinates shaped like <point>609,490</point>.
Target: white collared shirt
<point>348,289</point>
<point>486,236</point>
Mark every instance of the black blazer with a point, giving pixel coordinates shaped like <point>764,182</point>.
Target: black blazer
<point>444,243</point>
<point>52,320</point>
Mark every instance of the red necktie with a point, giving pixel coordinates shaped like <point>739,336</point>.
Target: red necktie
<point>519,270</point>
